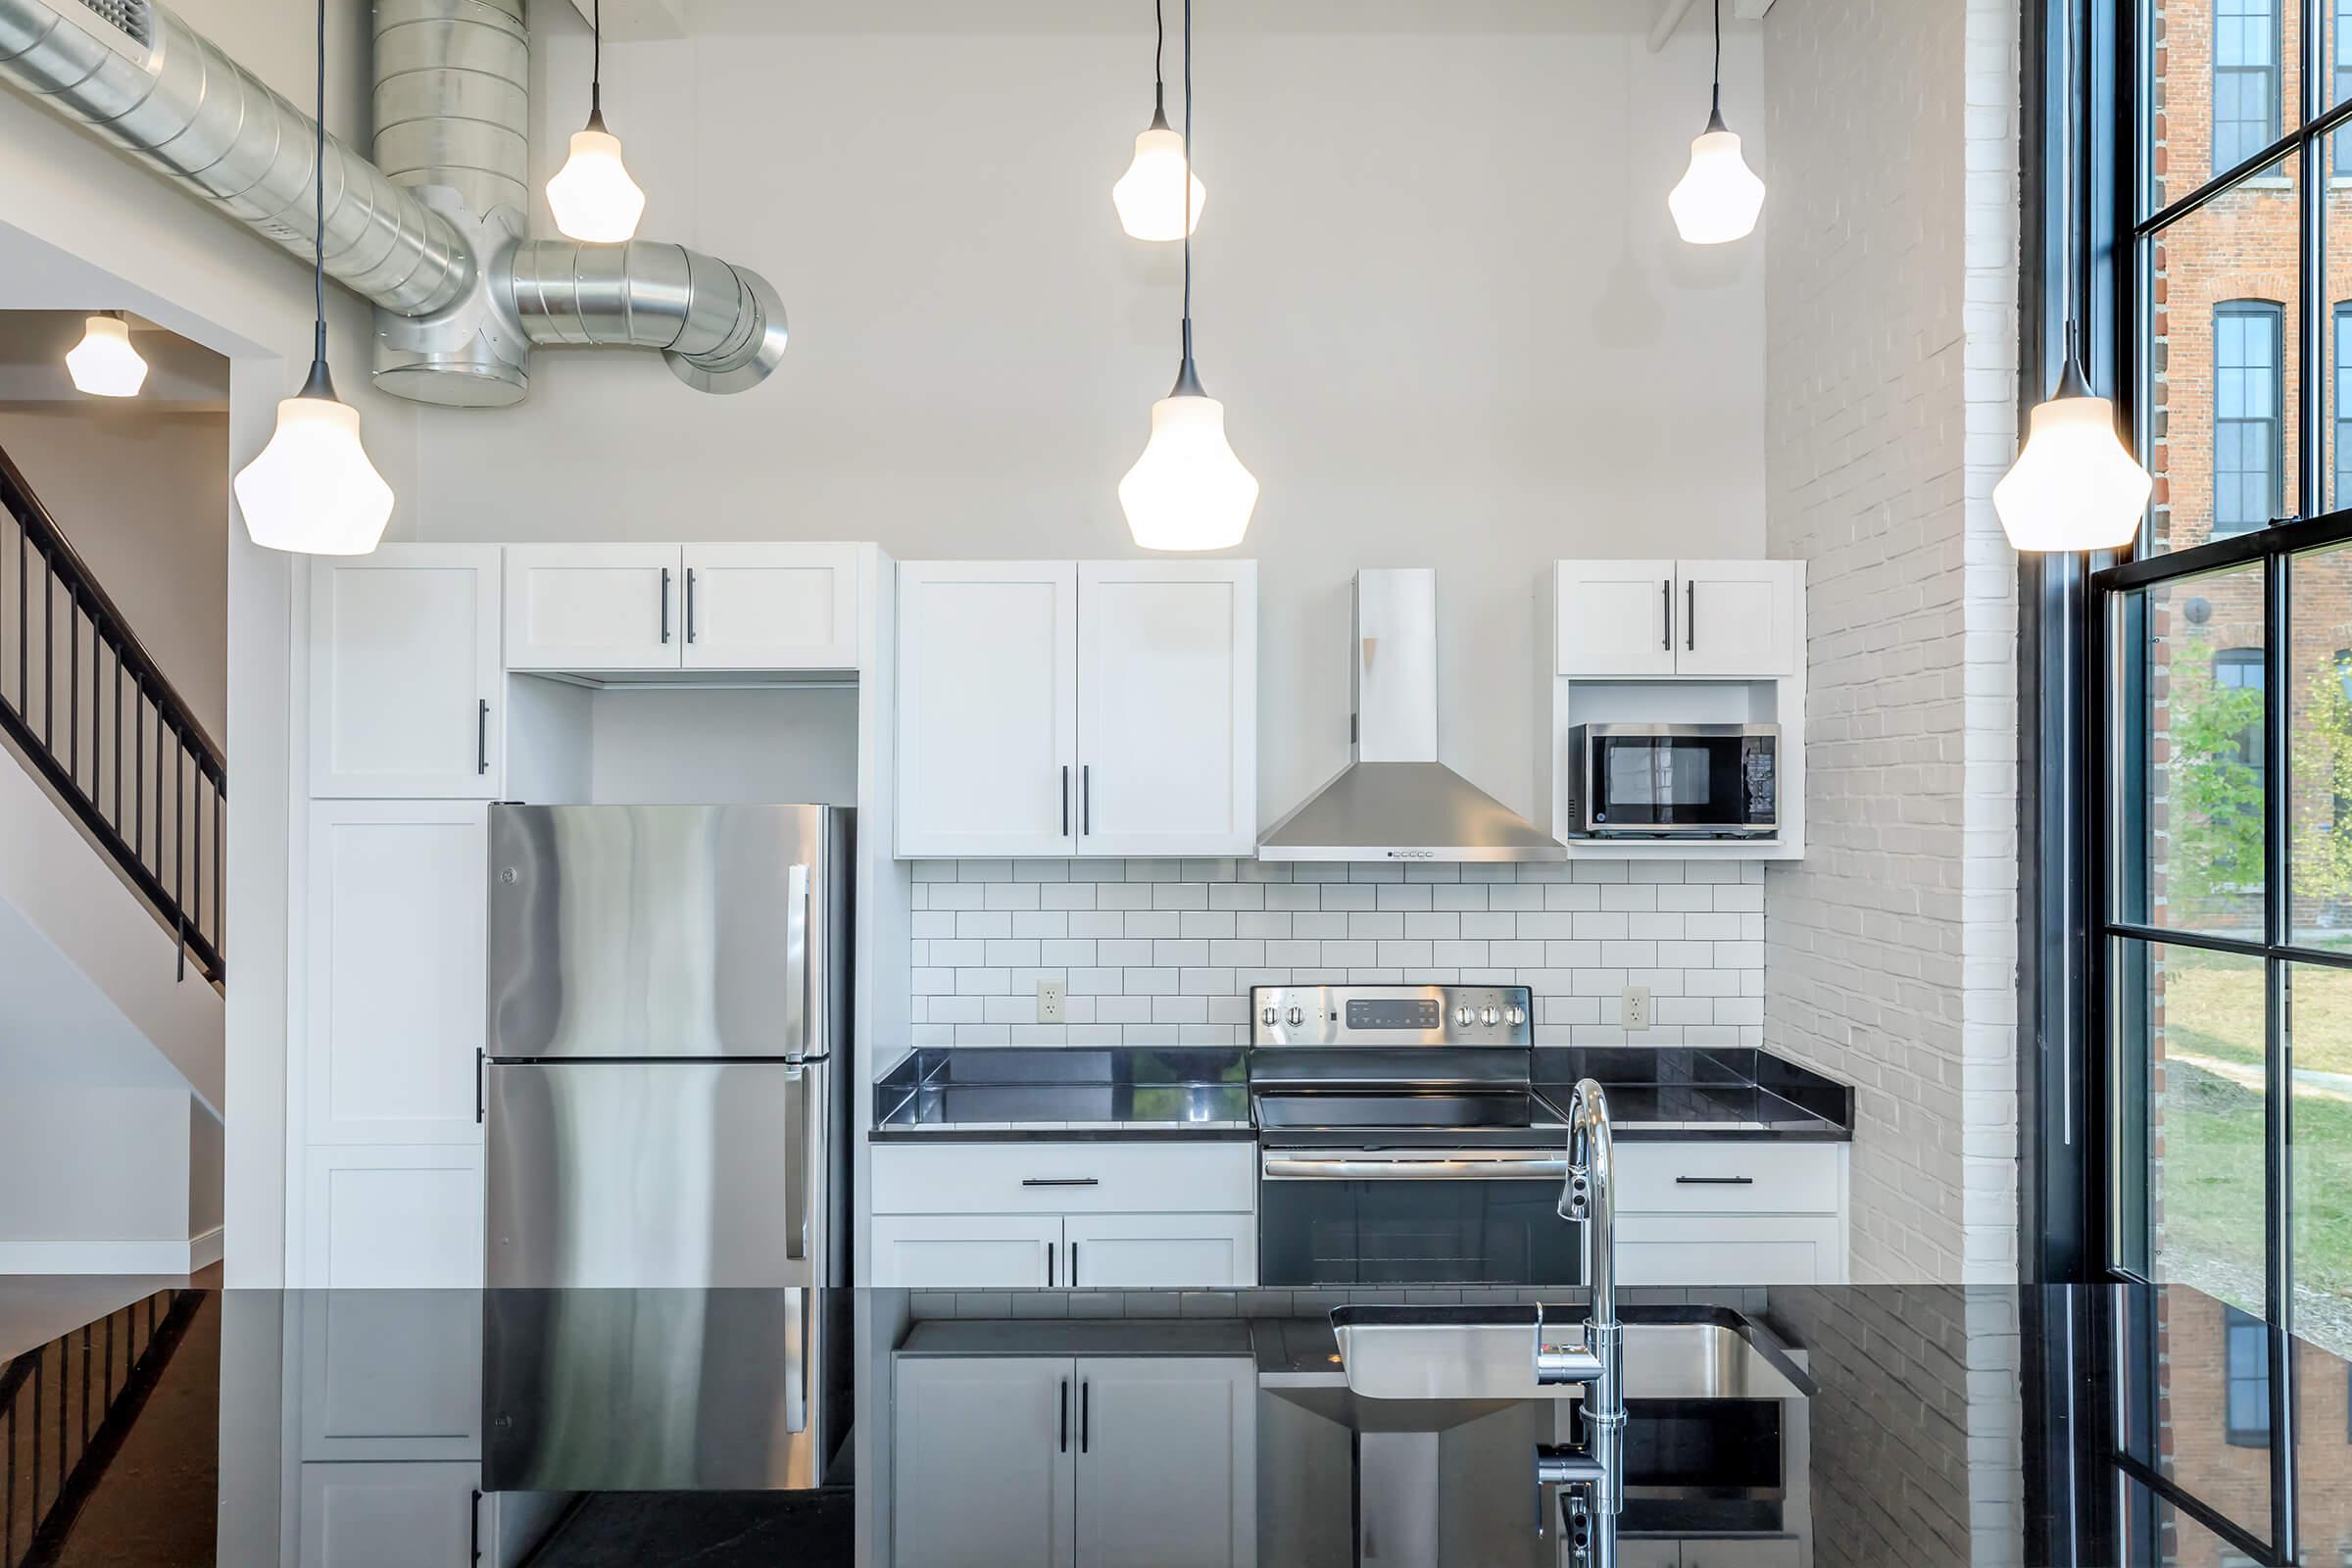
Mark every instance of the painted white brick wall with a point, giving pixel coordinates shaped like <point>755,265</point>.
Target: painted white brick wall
<point>1163,953</point>
<point>1890,373</point>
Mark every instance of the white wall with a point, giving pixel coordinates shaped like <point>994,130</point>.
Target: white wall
<point>1437,289</point>
<point>94,1181</point>
<point>1890,385</point>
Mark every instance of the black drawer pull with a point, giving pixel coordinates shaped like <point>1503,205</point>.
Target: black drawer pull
<point>1061,1181</point>
<point>1714,1181</point>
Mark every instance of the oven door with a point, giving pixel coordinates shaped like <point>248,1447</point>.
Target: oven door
<point>1487,1217</point>
<point>1683,780</point>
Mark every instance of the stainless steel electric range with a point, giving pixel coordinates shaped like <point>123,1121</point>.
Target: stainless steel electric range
<point>1402,1140</point>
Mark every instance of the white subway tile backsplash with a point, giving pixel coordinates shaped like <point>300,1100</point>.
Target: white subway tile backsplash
<point>1162,952</point>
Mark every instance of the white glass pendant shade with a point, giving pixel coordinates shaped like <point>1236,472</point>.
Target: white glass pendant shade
<point>1151,195</point>
<point>2075,486</point>
<point>1718,197</point>
<point>592,195</point>
<point>1188,491</point>
<point>104,364</point>
<point>313,489</point>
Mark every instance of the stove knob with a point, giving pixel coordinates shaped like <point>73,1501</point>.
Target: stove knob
<point>1296,1016</point>
<point>1489,1016</point>
<point>1462,1017</point>
<point>1514,1016</point>
<point>1268,1016</point>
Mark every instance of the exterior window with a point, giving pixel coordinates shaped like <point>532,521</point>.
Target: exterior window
<point>2246,1417</point>
<point>2342,323</point>
<point>2247,436</point>
<point>2239,670</point>
<point>2245,79</point>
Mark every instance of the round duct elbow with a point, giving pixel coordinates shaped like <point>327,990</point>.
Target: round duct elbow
<point>721,327</point>
<point>752,347</point>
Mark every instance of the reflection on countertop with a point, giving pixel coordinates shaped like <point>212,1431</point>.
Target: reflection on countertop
<point>1064,1091</point>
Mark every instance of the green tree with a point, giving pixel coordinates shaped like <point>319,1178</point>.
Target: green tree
<point>2216,791</point>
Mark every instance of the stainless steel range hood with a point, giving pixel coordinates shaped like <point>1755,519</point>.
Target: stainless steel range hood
<point>1395,801</point>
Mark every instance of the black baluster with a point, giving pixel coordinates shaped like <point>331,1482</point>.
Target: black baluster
<point>72,688</point>
<point>118,818</point>
<point>138,778</point>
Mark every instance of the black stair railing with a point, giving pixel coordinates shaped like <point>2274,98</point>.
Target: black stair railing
<point>65,1409</point>
<point>91,712</point>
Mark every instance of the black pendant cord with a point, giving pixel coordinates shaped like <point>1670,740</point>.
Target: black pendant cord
<point>1716,117</point>
<point>2073,381</point>
<point>1188,380</point>
<point>595,66</point>
<point>319,385</point>
<point>1160,77</point>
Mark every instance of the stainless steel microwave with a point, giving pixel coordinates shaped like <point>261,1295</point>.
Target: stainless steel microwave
<point>1679,781</point>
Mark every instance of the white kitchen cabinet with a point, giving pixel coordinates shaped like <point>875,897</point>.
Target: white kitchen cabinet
<point>1721,1212</point>
<point>593,607</point>
<point>1739,619</point>
<point>1167,708</point>
<point>770,606</point>
<point>1712,620</point>
<point>976,1252</point>
<point>983,1463</point>
<point>1615,618</point>
<point>392,1374</point>
<point>388,1515</point>
<point>1156,1252</point>
<point>1077,709</point>
<point>406,692</point>
<point>1045,1176</point>
<point>988,708</point>
<point>1167,1462</point>
<point>395,941</point>
<point>392,1217</point>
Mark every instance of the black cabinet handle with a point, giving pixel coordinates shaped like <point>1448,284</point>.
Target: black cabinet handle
<point>1086,799</point>
<point>1689,613</point>
<point>1049,1263</point>
<point>1666,613</point>
<point>481,737</point>
<point>1065,799</point>
<point>1061,1180</point>
<point>690,603</point>
<point>1714,1181</point>
<point>473,1529</point>
<point>1086,1416</point>
<point>1073,1265</point>
<point>478,1085</point>
<point>1066,1415</point>
<point>666,604</point>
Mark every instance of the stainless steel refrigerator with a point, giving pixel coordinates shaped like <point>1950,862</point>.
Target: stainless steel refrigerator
<point>668,1035</point>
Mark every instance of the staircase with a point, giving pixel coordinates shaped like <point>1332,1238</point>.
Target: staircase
<point>112,1059</point>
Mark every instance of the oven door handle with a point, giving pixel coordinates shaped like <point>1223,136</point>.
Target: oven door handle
<point>1474,1166</point>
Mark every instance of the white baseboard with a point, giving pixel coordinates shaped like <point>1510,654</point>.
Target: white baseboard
<point>162,1255</point>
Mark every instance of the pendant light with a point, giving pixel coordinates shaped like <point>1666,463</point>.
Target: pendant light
<point>1158,198</point>
<point>2075,485</point>
<point>1719,196</point>
<point>313,489</point>
<point>104,364</point>
<point>1188,491</point>
<point>592,195</point>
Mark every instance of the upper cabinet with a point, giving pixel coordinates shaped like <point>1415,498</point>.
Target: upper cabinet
<point>1077,709</point>
<point>1726,619</point>
<point>597,608</point>
<point>406,695</point>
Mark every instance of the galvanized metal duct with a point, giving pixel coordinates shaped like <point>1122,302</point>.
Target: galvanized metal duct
<point>180,105</point>
<point>721,327</point>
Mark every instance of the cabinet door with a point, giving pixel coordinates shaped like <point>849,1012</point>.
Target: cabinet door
<point>406,695</point>
<point>988,708</point>
<point>1167,708</point>
<point>1167,1462</point>
<point>391,1374</point>
<point>1727,1251</point>
<point>396,983</point>
<point>388,1515</point>
<point>967,1252</point>
<point>593,607</point>
<point>393,1218</point>
<point>1738,618</point>
<point>1156,1252</point>
<point>982,1463</point>
<point>1615,618</point>
<point>771,607</point>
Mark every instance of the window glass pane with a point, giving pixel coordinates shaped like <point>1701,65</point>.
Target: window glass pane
<point>2324,1453</point>
<point>2191,851</point>
<point>2318,797</point>
<point>2223,366</point>
<point>2210,1415</point>
<point>2339,347</point>
<point>2319,1155</point>
<point>2224,83</point>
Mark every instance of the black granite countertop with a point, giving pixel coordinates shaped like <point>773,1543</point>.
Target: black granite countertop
<point>1701,1092</point>
<point>995,1092</point>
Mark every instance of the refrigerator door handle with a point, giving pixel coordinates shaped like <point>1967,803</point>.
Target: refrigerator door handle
<point>796,961</point>
<point>796,1100</point>
<point>795,1364</point>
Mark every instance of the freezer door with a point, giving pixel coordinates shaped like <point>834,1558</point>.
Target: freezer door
<point>657,1175</point>
<point>660,931</point>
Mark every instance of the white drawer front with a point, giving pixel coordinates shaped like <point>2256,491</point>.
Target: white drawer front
<point>1727,1178</point>
<point>1722,1251</point>
<point>1076,1178</point>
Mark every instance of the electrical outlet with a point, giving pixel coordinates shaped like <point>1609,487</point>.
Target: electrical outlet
<point>1053,1001</point>
<point>1633,1008</point>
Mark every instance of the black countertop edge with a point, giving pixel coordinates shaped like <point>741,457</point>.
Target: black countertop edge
<point>1133,1133</point>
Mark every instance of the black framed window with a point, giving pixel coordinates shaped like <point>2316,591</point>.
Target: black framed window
<point>2246,1399</point>
<point>2249,392</point>
<point>2246,78</point>
<point>2340,347</point>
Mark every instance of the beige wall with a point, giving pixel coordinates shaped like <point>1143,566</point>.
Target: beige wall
<point>144,495</point>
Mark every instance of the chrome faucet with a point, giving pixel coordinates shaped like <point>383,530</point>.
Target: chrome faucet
<point>1593,1470</point>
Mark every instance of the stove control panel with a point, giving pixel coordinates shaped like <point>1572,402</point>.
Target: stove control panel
<point>1390,1015</point>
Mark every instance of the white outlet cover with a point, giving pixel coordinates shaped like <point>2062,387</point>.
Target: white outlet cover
<point>1053,1001</point>
<point>1632,1009</point>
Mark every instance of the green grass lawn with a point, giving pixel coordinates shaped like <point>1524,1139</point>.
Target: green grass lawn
<point>2212,1177</point>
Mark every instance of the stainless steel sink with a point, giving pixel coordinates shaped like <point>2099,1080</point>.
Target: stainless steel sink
<point>1427,1368</point>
